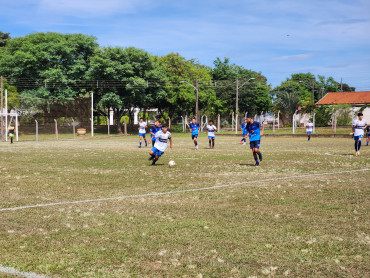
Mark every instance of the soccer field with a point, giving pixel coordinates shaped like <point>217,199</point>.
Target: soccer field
<point>103,211</point>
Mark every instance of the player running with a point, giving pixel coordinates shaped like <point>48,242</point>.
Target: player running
<point>254,132</point>
<point>309,127</point>
<point>368,135</point>
<point>194,128</point>
<point>358,128</point>
<point>142,131</point>
<point>243,141</point>
<point>160,144</point>
<point>155,128</point>
<point>211,134</point>
<point>11,132</point>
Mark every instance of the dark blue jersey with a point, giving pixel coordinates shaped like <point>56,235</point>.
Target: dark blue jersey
<point>254,131</point>
<point>154,130</point>
<point>194,128</point>
<point>243,128</point>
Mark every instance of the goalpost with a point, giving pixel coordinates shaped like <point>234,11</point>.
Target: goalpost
<point>4,119</point>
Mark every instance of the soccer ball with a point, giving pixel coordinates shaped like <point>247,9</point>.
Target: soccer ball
<point>171,163</point>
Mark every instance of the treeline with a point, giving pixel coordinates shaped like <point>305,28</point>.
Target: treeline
<point>50,66</point>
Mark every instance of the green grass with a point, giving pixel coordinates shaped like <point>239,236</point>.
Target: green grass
<point>314,226</point>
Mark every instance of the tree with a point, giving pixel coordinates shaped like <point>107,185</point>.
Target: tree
<point>4,37</point>
<point>181,97</point>
<point>51,60</point>
<point>133,79</point>
<point>253,96</point>
<point>13,95</point>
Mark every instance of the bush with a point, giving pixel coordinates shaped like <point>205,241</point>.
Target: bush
<point>323,115</point>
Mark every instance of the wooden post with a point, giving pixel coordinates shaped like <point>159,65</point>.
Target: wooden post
<point>218,122</point>
<point>197,98</point>
<point>237,106</point>
<point>56,129</point>
<point>124,120</point>
<point>1,109</point>
<point>169,122</point>
<point>108,126</point>
<point>273,124</point>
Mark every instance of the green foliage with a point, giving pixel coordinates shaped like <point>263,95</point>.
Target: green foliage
<point>253,94</point>
<point>13,95</point>
<point>49,57</point>
<point>343,112</point>
<point>323,115</point>
<point>4,37</point>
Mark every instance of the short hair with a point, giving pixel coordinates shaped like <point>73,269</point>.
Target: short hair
<point>157,120</point>
<point>141,118</point>
<point>210,121</point>
<point>193,119</point>
<point>250,116</point>
<point>164,126</point>
<point>360,114</point>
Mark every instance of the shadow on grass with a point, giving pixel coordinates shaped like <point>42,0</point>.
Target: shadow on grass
<point>247,164</point>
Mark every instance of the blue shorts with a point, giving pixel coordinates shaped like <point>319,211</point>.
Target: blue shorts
<point>211,137</point>
<point>309,132</point>
<point>157,152</point>
<point>368,135</point>
<point>142,134</point>
<point>358,137</point>
<point>255,144</point>
<point>194,136</point>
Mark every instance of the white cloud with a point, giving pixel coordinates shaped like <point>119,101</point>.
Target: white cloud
<point>298,57</point>
<point>90,8</point>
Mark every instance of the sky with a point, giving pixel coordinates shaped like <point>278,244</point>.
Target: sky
<point>274,37</point>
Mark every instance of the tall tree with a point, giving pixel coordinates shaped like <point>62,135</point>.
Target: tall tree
<point>4,37</point>
<point>181,96</point>
<point>133,79</point>
<point>253,95</point>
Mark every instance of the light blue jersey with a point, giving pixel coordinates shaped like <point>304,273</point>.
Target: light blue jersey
<point>194,128</point>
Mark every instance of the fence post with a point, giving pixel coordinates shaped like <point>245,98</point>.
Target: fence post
<point>37,130</point>
<point>218,123</point>
<point>273,124</point>
<point>108,124</point>
<point>169,122</point>
<point>56,129</point>
<point>232,122</point>
<point>124,120</point>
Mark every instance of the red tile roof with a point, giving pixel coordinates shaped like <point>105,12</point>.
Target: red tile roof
<point>345,98</point>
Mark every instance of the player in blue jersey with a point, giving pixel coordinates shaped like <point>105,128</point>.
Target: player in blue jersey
<point>367,135</point>
<point>243,141</point>
<point>358,128</point>
<point>211,134</point>
<point>142,130</point>
<point>194,128</point>
<point>160,144</point>
<point>155,128</point>
<point>254,133</point>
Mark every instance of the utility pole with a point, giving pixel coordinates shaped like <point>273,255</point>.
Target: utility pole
<point>341,85</point>
<point>313,90</point>
<point>196,102</point>
<point>1,109</point>
<point>237,106</point>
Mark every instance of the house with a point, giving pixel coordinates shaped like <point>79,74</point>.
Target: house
<point>355,99</point>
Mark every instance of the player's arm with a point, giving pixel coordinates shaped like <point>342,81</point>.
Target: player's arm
<point>263,129</point>
<point>246,136</point>
<point>170,143</point>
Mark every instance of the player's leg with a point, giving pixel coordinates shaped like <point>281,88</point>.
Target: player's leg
<point>11,139</point>
<point>195,138</point>
<point>368,139</point>
<point>140,141</point>
<point>213,142</point>
<point>152,153</point>
<point>209,141</point>
<point>356,145</point>
<point>146,142</point>
<point>157,155</point>
<point>359,145</point>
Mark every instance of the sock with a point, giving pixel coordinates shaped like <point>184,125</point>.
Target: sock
<point>213,143</point>
<point>196,144</point>
<point>140,144</point>
<point>146,143</point>
<point>356,146</point>
<point>367,143</point>
<point>359,145</point>
<point>309,138</point>
<point>256,159</point>
<point>260,155</point>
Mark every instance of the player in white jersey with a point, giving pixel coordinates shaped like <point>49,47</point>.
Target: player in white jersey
<point>358,128</point>
<point>309,127</point>
<point>142,131</point>
<point>161,138</point>
<point>211,133</point>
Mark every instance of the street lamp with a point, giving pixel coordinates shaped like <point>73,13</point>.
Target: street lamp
<point>196,93</point>
<point>237,101</point>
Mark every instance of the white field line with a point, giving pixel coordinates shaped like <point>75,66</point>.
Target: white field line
<point>13,271</point>
<point>181,191</point>
<point>348,155</point>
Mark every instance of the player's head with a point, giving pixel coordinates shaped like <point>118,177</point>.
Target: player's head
<point>12,124</point>
<point>249,118</point>
<point>309,120</point>
<point>360,115</point>
<point>164,128</point>
<point>141,119</point>
<point>245,120</point>
<point>157,123</point>
<point>193,120</point>
<point>210,122</point>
